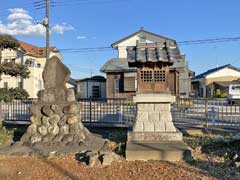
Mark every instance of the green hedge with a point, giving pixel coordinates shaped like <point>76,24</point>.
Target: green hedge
<point>14,69</point>
<point>7,95</point>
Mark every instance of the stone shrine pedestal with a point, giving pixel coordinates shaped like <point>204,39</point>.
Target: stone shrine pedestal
<point>154,136</point>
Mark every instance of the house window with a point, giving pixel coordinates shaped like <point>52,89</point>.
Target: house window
<point>95,91</point>
<point>29,63</point>
<point>5,84</point>
<point>20,85</point>
<point>129,81</point>
<point>116,85</point>
<point>13,60</point>
<point>143,39</point>
<point>38,65</point>
<point>5,60</point>
<point>201,92</point>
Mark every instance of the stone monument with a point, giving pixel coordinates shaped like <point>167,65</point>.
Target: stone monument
<point>55,120</point>
<point>154,136</point>
<point>56,126</point>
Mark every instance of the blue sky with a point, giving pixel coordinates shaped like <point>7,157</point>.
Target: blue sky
<point>97,23</point>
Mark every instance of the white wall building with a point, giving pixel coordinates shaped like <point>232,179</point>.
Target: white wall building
<point>202,83</point>
<point>31,56</point>
<point>94,87</point>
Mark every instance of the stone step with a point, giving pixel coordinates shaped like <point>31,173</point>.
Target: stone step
<point>165,151</point>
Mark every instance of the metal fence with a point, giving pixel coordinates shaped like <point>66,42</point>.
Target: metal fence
<point>17,110</point>
<point>207,112</point>
<point>107,110</point>
<point>189,111</point>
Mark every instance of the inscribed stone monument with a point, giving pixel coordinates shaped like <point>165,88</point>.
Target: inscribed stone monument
<point>55,116</point>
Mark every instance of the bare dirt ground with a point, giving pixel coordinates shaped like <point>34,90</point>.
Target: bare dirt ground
<point>206,166</point>
<point>66,168</point>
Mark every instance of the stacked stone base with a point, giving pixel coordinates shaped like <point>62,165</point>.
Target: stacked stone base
<point>55,122</point>
<point>154,136</point>
<point>56,125</point>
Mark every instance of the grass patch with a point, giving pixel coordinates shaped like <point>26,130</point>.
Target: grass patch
<point>196,141</point>
<point>5,135</point>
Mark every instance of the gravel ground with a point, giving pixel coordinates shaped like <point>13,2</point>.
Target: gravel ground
<point>207,166</point>
<point>66,168</point>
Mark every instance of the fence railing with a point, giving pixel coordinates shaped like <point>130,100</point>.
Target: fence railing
<point>207,112</point>
<point>106,110</point>
<point>17,110</point>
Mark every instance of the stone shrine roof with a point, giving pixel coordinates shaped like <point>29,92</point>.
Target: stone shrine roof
<point>153,52</point>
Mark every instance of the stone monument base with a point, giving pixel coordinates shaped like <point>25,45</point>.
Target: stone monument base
<point>154,136</point>
<point>165,151</point>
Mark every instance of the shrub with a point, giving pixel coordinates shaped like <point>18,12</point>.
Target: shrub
<point>14,69</point>
<point>7,95</point>
<point>220,94</point>
<point>197,141</point>
<point>5,135</point>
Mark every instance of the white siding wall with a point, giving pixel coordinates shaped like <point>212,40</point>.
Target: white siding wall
<point>122,52</point>
<point>223,73</point>
<point>85,88</point>
<point>35,82</point>
<point>8,55</point>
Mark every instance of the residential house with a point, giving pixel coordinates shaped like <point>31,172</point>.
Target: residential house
<point>207,83</point>
<point>121,79</point>
<point>31,56</point>
<point>93,87</point>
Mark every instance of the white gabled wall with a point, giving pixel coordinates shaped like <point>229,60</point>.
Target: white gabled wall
<point>122,51</point>
<point>223,73</point>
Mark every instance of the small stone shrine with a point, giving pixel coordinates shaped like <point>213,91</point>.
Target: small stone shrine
<point>55,117</point>
<point>154,135</point>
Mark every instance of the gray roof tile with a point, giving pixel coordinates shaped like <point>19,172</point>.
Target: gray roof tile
<point>153,52</point>
<point>117,65</point>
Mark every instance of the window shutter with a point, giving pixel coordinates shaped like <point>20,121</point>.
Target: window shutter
<point>129,81</point>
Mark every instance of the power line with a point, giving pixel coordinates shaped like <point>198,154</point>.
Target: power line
<point>189,42</point>
<point>53,3</point>
<point>206,41</point>
<point>40,4</point>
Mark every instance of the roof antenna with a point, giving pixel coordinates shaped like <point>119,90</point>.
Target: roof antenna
<point>142,28</point>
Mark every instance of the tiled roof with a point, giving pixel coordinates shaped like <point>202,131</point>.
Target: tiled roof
<point>117,65</point>
<point>34,50</point>
<point>121,65</point>
<point>202,75</point>
<point>153,52</point>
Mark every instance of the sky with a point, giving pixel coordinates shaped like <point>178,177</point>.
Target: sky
<point>99,23</point>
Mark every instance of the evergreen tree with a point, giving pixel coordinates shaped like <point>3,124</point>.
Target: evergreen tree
<point>12,69</point>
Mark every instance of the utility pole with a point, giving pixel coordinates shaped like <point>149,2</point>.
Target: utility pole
<point>46,22</point>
